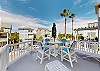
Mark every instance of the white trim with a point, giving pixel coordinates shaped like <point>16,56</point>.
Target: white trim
<point>10,63</point>
<point>99,12</point>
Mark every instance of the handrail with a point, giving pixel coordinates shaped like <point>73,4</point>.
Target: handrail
<point>12,52</point>
<point>3,58</point>
<point>88,48</point>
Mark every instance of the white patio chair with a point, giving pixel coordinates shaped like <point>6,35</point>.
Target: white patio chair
<point>68,53</point>
<point>43,53</point>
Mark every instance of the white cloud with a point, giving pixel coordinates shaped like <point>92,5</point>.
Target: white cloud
<point>24,0</point>
<point>83,22</point>
<point>76,2</point>
<point>8,19</point>
<point>90,12</point>
<point>0,7</point>
<point>78,23</point>
<point>60,24</point>
<point>33,9</point>
<point>85,4</point>
<point>97,1</point>
<point>89,3</point>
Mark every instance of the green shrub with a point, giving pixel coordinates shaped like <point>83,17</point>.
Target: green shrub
<point>80,37</point>
<point>61,36</point>
<point>39,38</point>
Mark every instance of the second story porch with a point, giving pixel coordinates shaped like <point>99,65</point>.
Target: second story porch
<point>22,57</point>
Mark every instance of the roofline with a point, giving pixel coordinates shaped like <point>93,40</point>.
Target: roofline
<point>80,29</point>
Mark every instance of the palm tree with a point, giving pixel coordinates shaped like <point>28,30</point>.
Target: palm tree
<point>65,14</point>
<point>72,17</point>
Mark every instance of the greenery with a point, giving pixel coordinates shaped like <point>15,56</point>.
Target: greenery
<point>14,38</point>
<point>96,39</point>
<point>80,37</point>
<point>65,13</point>
<point>63,37</point>
<point>39,38</point>
<point>68,36</point>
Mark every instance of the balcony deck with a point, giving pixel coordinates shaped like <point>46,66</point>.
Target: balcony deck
<point>29,63</point>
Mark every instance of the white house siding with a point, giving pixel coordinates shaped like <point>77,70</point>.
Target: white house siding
<point>90,33</point>
<point>0,22</point>
<point>23,34</point>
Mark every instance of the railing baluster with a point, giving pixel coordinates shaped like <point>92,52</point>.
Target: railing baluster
<point>11,53</point>
<point>25,46</point>
<point>88,48</point>
<point>17,47</point>
<point>14,52</point>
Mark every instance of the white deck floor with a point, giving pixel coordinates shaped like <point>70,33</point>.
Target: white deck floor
<point>29,63</point>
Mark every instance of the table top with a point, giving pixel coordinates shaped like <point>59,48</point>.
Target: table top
<point>56,66</point>
<point>56,42</point>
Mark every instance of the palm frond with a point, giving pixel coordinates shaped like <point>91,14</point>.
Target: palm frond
<point>61,14</point>
<point>64,11</point>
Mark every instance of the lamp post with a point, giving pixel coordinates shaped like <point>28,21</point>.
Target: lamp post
<point>97,8</point>
<point>72,17</point>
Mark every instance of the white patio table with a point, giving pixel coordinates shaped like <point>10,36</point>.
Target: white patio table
<point>55,48</point>
<point>56,66</point>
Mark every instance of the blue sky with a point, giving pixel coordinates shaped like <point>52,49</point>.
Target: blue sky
<point>49,10</point>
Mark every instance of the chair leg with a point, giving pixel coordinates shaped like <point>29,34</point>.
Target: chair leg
<point>61,58</point>
<point>70,61</point>
<point>36,55</point>
<point>49,54</point>
<point>46,69</point>
<point>61,55</point>
<point>41,59</point>
<point>49,57</point>
<point>76,58</point>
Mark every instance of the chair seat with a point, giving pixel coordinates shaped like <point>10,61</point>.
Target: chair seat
<point>66,49</point>
<point>68,53</point>
<point>41,51</point>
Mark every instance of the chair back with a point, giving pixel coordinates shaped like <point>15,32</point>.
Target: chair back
<point>73,45</point>
<point>45,47</point>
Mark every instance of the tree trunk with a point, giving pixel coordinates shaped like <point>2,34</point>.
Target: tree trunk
<point>72,28</point>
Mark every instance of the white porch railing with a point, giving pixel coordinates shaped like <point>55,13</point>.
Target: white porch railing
<point>88,48</point>
<point>3,58</point>
<point>12,52</point>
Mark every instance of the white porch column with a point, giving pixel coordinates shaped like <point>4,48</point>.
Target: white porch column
<point>99,25</point>
<point>7,38</point>
<point>99,38</point>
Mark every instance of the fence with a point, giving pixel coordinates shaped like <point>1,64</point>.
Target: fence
<point>11,52</point>
<point>88,48</point>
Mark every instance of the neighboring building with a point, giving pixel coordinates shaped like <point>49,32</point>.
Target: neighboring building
<point>24,33</point>
<point>43,31</point>
<point>90,31</point>
<point>29,33</point>
<point>3,36</point>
